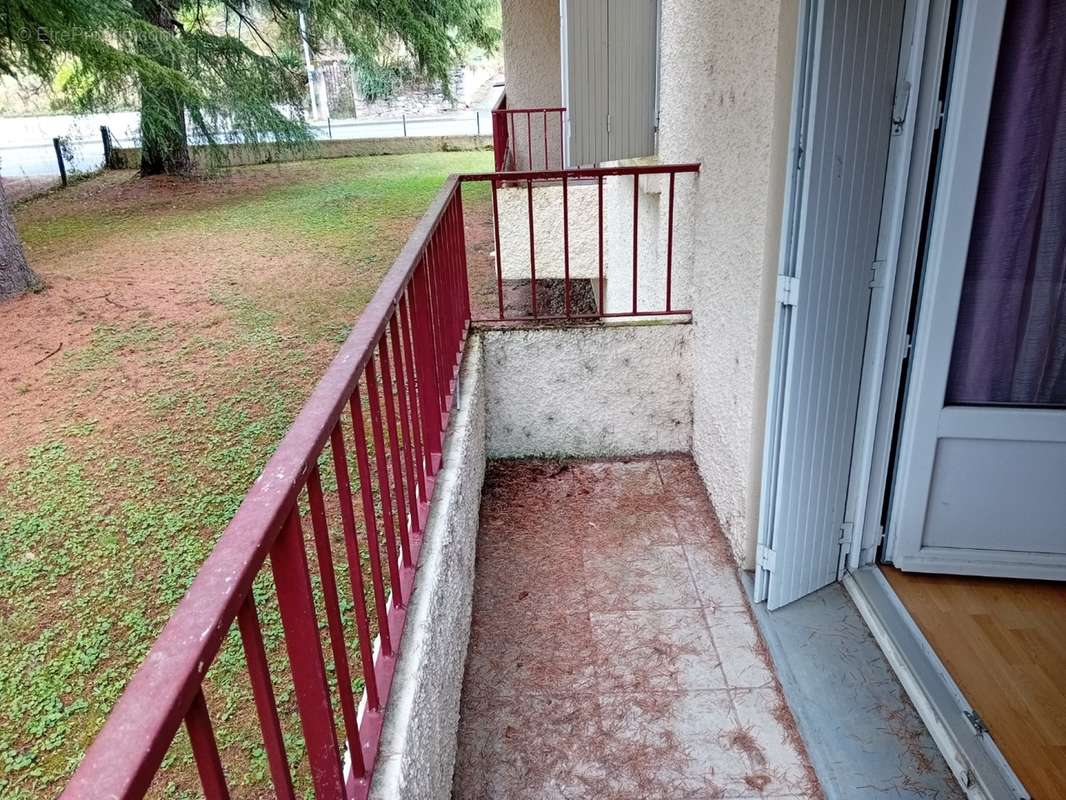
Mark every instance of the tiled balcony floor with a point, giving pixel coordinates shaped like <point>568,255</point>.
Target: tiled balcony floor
<point>612,654</point>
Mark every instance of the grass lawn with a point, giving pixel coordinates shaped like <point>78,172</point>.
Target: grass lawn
<point>184,324</point>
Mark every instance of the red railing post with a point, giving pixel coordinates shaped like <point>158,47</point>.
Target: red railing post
<point>636,208</point>
<point>532,250</point>
<point>496,239</point>
<point>263,693</point>
<point>599,230</point>
<point>288,561</point>
<point>370,523</point>
<point>324,554</point>
<point>418,421</point>
<point>425,354</point>
<point>205,750</point>
<point>382,470</point>
<point>355,566</point>
<point>670,245</point>
<point>566,247</point>
<point>407,443</point>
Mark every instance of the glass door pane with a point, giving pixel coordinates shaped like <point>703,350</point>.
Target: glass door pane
<point>1010,338</point>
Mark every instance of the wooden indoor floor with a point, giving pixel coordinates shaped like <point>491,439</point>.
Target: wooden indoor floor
<point>1004,643</point>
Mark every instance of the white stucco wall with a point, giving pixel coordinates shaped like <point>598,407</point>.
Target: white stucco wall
<point>652,213</point>
<point>726,90</point>
<point>418,740</point>
<point>601,390</point>
<point>533,75</point>
<point>583,219</point>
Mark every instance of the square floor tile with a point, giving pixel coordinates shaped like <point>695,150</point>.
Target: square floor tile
<point>618,478</point>
<point>621,527</point>
<point>654,651</point>
<point>744,658</point>
<point>715,576</point>
<point>673,745</point>
<point>776,748</point>
<point>517,653</point>
<point>638,578</point>
<point>528,748</point>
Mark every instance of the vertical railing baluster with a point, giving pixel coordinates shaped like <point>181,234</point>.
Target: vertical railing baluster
<point>417,415</point>
<point>562,140</point>
<point>265,705</point>
<point>432,319</point>
<point>529,138</point>
<point>532,249</point>
<point>599,224</point>
<point>514,139</point>
<point>464,269</point>
<point>496,239</point>
<point>394,451</point>
<point>381,467</point>
<point>370,523</point>
<point>422,334</point>
<point>355,568</point>
<point>288,562</point>
<point>566,247</point>
<point>544,116</point>
<point>205,749</point>
<point>407,449</point>
<point>636,187</point>
<point>670,245</point>
<point>440,312</point>
<point>324,554</point>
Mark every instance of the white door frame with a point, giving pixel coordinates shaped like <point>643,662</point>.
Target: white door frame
<point>926,419</point>
<point>887,337</point>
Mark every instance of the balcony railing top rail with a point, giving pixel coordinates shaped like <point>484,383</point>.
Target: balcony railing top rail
<point>401,359</point>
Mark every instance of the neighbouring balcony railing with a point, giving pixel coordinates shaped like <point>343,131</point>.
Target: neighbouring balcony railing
<point>387,396</point>
<point>648,288</point>
<point>395,375</point>
<point>527,138</point>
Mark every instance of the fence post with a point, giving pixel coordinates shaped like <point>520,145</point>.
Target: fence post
<point>109,158</point>
<point>59,158</point>
<point>403,117</point>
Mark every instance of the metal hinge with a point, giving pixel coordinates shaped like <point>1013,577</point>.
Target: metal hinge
<point>976,722</point>
<point>878,279</point>
<point>608,123</point>
<point>765,557</point>
<point>899,107</point>
<point>787,290</point>
<point>906,348</point>
<point>939,115</point>
<point>847,530</point>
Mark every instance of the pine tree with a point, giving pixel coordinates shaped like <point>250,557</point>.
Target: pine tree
<point>192,78</point>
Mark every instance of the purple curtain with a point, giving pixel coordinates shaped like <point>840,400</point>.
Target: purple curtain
<point>1010,339</point>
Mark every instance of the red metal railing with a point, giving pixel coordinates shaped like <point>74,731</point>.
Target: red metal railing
<point>527,138</point>
<point>592,176</point>
<point>500,138</point>
<point>395,375</point>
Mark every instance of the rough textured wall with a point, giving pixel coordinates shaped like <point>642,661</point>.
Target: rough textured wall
<point>533,74</point>
<point>651,243</point>
<point>418,741</point>
<point>726,87</point>
<point>589,391</point>
<point>548,231</point>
